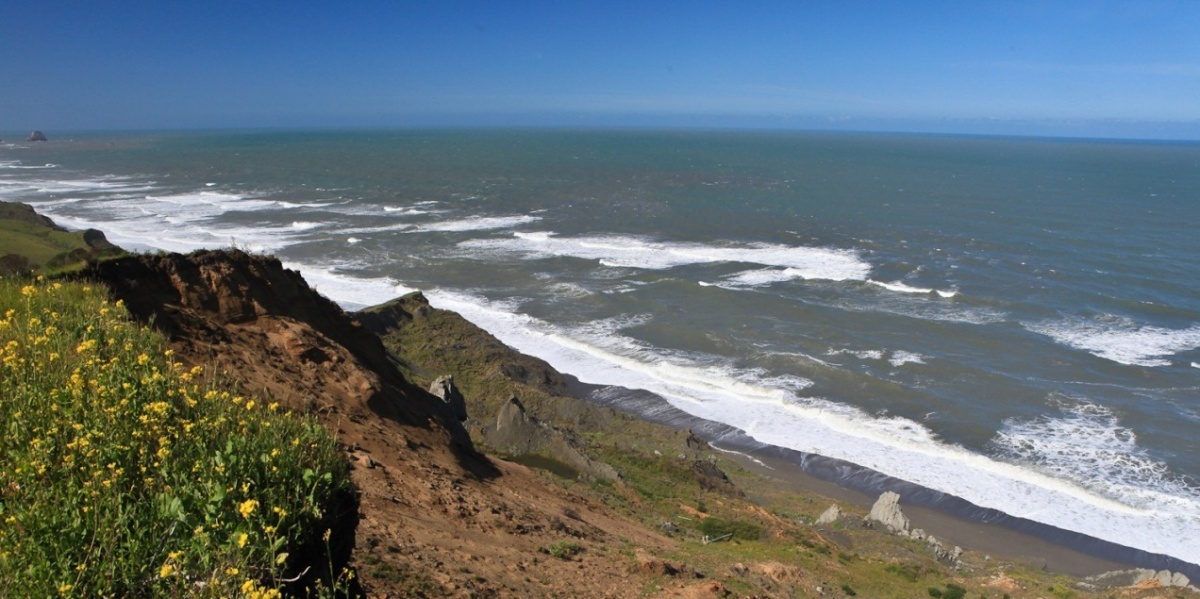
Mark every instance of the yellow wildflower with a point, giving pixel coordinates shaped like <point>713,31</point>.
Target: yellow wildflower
<point>247,507</point>
<point>166,570</point>
<point>243,538</point>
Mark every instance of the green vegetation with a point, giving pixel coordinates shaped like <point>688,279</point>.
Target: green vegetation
<point>124,474</point>
<point>952,591</point>
<point>563,549</point>
<point>30,242</point>
<point>716,528</point>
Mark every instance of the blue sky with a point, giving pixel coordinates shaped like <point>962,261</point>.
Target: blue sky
<point>1092,68</point>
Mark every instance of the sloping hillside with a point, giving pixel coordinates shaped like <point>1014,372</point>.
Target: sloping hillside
<point>662,514</point>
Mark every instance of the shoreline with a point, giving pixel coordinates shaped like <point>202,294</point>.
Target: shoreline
<point>951,519</point>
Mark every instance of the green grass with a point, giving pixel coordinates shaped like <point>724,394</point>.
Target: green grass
<point>29,244</point>
<point>123,473</point>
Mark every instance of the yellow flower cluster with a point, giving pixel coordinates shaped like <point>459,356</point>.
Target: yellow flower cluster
<point>110,448</point>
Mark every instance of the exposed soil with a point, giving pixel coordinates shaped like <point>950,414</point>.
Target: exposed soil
<point>436,517</point>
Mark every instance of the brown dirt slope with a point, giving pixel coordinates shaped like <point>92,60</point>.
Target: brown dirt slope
<point>436,517</point>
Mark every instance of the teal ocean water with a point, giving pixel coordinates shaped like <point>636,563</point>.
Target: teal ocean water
<point>1015,322</point>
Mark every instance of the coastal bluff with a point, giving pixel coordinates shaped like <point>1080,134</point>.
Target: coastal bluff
<point>444,508</point>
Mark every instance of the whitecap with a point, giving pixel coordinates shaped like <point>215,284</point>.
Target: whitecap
<point>867,354</point>
<point>1086,443</point>
<point>900,358</point>
<point>642,253</point>
<point>478,223</point>
<point>1120,339</point>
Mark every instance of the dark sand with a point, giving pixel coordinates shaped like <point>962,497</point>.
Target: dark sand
<point>988,539</point>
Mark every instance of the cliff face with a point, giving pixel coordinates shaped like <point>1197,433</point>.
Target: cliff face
<point>435,517</point>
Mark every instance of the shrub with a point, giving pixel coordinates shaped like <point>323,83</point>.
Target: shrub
<point>716,527</point>
<point>121,473</point>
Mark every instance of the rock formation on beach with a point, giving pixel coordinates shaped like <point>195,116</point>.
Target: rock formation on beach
<point>37,136</point>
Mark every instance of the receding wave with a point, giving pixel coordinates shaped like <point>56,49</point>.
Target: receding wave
<point>478,223</point>
<point>633,252</point>
<point>903,288</point>
<point>1120,339</point>
<point>1087,444</point>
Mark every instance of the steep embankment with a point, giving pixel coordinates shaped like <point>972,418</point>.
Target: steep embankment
<point>436,517</point>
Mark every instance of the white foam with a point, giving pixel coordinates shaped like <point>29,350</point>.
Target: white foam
<point>351,292</point>
<point>773,413</point>
<point>867,354</point>
<point>900,358</point>
<point>1087,444</point>
<point>634,252</point>
<point>284,204</point>
<point>479,223</point>
<point>404,211</point>
<point>1120,339</point>
<point>903,288</point>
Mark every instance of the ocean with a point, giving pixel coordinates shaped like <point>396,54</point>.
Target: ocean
<point>1012,321</point>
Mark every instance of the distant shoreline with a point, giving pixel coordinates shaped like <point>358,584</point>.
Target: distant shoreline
<point>951,519</point>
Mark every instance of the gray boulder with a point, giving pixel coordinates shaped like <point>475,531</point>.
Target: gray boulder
<point>37,136</point>
<point>445,389</point>
<point>886,511</point>
<point>520,434</point>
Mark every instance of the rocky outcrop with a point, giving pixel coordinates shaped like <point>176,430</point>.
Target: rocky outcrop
<point>37,136</point>
<point>519,434</point>
<point>886,512</point>
<point>704,467</point>
<point>444,388</point>
<point>262,323</point>
<point>1138,577</point>
<point>829,516</point>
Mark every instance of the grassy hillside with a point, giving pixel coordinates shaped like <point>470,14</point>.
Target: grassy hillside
<point>749,532</point>
<point>30,242</point>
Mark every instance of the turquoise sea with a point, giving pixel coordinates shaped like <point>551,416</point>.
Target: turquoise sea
<point>1015,322</point>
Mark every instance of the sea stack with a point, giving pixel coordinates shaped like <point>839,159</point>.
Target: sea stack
<point>37,136</point>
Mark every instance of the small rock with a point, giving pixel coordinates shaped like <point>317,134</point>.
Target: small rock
<point>829,516</point>
<point>37,136</point>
